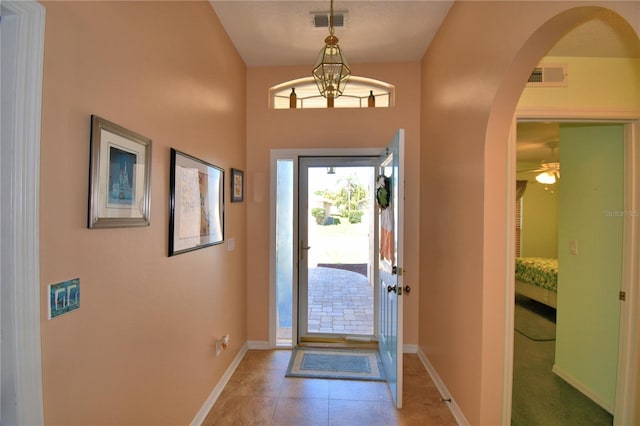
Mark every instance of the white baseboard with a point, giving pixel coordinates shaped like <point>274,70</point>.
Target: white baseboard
<point>410,348</point>
<point>581,387</point>
<point>444,392</point>
<point>261,345</point>
<point>217,390</point>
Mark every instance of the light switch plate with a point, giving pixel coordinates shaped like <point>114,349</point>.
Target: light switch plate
<point>64,297</point>
<point>573,247</point>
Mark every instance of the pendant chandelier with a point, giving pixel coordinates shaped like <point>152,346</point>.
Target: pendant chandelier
<point>331,71</point>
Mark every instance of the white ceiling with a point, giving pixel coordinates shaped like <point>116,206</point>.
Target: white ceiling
<point>280,33</point>
<point>538,141</point>
<point>275,33</point>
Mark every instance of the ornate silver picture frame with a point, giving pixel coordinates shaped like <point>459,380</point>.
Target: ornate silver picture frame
<point>119,176</point>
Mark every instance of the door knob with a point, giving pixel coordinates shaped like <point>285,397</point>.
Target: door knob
<point>392,289</point>
<point>407,289</point>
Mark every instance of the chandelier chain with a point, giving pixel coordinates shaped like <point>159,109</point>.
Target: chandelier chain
<point>331,18</point>
<point>331,71</point>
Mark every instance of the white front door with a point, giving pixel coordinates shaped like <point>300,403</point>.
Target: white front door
<point>390,200</point>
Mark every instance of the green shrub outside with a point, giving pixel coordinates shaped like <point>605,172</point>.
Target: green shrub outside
<point>318,213</point>
<point>355,216</point>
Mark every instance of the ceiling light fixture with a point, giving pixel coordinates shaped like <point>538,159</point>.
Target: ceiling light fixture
<point>546,178</point>
<point>550,174</point>
<point>331,71</point>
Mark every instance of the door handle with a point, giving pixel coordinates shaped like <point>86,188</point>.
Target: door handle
<point>303,248</point>
<point>398,290</point>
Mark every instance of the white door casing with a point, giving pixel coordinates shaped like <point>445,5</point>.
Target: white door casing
<point>22,33</point>
<point>627,377</point>
<point>293,155</point>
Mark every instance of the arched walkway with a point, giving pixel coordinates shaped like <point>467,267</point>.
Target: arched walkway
<point>499,140</point>
<point>472,80</point>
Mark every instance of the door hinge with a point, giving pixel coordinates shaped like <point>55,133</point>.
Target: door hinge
<point>396,270</point>
<point>623,296</point>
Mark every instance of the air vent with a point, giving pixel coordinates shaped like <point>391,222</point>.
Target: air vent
<point>549,75</point>
<point>321,19</point>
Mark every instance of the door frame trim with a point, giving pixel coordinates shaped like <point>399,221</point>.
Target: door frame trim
<point>333,339</point>
<point>23,217</point>
<point>294,154</point>
<point>626,379</point>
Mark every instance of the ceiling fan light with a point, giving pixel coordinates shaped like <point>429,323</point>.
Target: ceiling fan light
<point>546,178</point>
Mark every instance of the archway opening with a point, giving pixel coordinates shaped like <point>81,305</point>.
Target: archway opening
<point>498,141</point>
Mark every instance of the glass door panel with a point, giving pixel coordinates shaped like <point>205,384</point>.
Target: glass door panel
<point>337,228</point>
<point>284,252</point>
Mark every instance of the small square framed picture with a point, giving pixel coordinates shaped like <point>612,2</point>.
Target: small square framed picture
<point>237,185</point>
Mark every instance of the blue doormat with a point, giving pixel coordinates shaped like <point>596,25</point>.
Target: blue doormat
<point>335,364</point>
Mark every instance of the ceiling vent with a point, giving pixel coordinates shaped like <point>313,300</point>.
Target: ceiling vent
<point>549,75</point>
<point>321,19</point>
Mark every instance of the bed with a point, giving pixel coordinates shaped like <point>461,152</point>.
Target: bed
<point>537,278</point>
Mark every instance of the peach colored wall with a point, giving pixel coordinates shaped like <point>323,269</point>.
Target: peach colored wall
<point>472,76</point>
<point>637,392</point>
<point>323,128</point>
<point>140,350</point>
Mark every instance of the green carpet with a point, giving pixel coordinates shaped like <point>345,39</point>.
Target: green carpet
<point>535,320</point>
<point>539,397</point>
<point>335,364</point>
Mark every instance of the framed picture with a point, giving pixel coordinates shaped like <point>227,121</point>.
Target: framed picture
<point>196,218</point>
<point>237,185</point>
<point>119,176</point>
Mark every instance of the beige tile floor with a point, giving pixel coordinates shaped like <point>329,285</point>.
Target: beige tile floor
<point>258,393</point>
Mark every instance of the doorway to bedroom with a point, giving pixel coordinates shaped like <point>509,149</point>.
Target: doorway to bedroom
<point>567,325</point>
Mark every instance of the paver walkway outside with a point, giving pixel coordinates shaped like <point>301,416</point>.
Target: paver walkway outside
<point>340,302</point>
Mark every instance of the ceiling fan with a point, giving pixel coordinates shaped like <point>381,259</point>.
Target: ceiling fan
<point>549,171</point>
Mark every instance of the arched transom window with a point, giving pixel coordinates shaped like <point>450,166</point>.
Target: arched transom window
<point>356,94</point>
